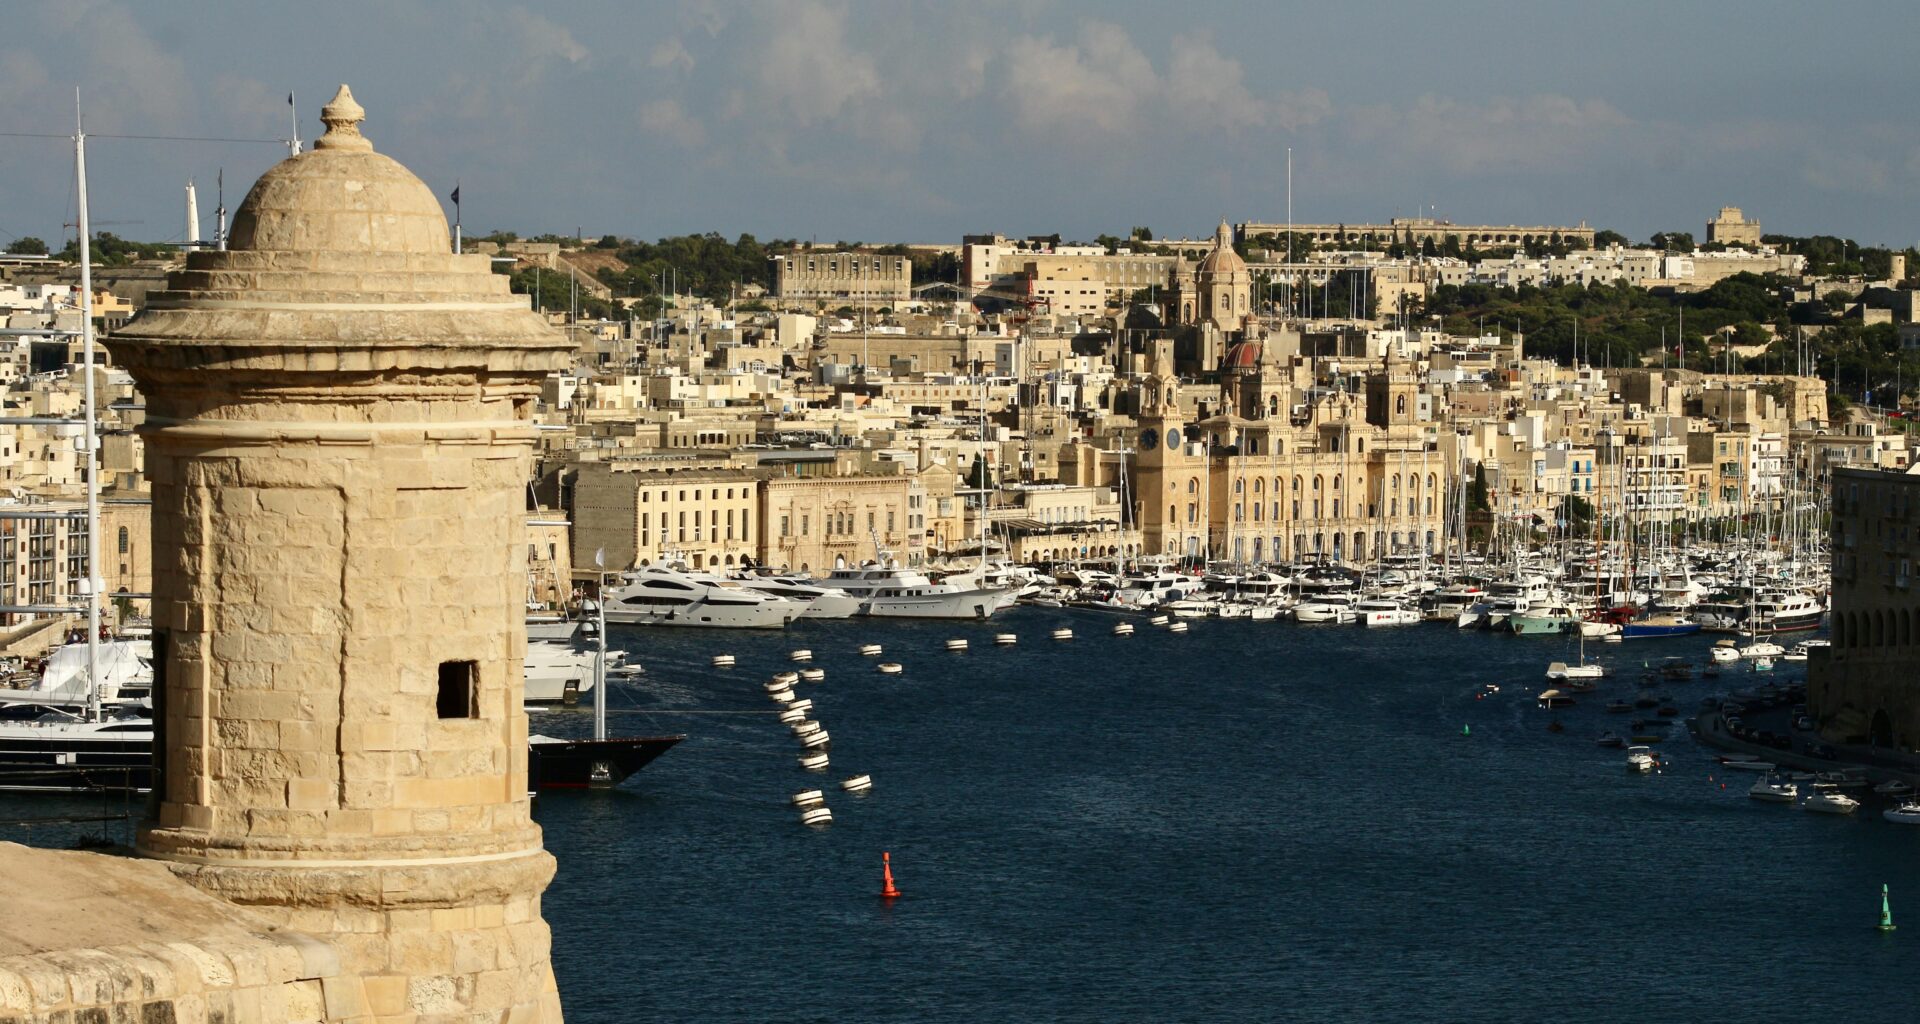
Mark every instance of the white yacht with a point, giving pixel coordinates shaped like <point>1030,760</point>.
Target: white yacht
<point>1641,758</point>
<point>1385,611</point>
<point>1327,607</point>
<point>556,670</point>
<point>1825,799</point>
<point>1776,791</point>
<point>887,590</point>
<point>664,596</point>
<point>822,602</point>
<point>1147,589</point>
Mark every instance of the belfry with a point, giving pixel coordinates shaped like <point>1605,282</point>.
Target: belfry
<point>338,434</point>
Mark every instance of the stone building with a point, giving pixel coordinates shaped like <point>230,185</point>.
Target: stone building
<point>819,515</point>
<point>1417,230</point>
<point>1865,688</point>
<point>1277,471</point>
<point>641,511</point>
<point>1732,227</point>
<point>835,277</point>
<point>338,440</point>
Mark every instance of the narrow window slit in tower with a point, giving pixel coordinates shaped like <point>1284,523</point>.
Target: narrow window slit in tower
<point>458,680</point>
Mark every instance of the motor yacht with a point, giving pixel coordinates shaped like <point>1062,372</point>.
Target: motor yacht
<point>1908,813</point>
<point>1640,758</point>
<point>1762,649</point>
<point>1326,607</point>
<point>557,672</point>
<point>1548,618</point>
<point>888,590</point>
<point>1825,799</point>
<point>1383,611</point>
<point>1785,612</point>
<point>669,596</point>
<point>1724,652</point>
<point>822,602</point>
<point>1772,790</point>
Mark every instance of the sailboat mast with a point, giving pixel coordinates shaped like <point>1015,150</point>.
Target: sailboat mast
<point>91,589</point>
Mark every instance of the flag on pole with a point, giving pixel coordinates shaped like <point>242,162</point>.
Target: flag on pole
<point>456,195</point>
<point>289,99</point>
<point>600,557</point>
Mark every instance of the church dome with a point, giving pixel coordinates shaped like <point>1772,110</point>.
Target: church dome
<point>340,197</point>
<point>1223,260</point>
<point>1243,356</point>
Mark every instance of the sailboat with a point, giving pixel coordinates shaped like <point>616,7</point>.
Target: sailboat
<point>601,762</point>
<point>1581,673</point>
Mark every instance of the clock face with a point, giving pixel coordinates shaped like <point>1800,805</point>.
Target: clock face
<point>1173,438</point>
<point>1148,438</point>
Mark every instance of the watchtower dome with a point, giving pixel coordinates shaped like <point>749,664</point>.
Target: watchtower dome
<point>338,436</point>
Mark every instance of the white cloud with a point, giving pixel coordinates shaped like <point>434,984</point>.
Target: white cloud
<point>1100,86</point>
<point>670,54</point>
<point>666,117</point>
<point>808,70</point>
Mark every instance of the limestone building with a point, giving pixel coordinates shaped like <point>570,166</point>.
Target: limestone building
<point>834,277</point>
<point>338,438</point>
<point>1732,227</point>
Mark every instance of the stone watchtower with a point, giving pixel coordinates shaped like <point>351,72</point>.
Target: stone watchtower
<point>338,439</point>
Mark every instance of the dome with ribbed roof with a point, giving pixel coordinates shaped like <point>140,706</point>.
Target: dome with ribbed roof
<point>1223,260</point>
<point>340,197</point>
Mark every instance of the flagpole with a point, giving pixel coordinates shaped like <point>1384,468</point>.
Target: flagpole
<point>293,118</point>
<point>456,216</point>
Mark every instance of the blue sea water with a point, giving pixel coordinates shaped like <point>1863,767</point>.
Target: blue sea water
<point>1248,822</point>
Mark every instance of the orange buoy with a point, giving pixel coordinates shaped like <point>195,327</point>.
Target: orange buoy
<point>888,891</point>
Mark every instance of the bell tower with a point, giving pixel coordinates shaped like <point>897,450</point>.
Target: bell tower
<point>338,439</point>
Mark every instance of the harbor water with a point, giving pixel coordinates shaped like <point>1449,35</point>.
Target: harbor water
<point>1251,821</point>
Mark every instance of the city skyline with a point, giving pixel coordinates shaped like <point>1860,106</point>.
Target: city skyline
<point>825,121</point>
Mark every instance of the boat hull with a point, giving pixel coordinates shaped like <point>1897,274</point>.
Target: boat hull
<point>1646,631</point>
<point>591,764</point>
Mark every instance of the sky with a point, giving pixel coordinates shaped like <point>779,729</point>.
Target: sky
<point>922,121</point>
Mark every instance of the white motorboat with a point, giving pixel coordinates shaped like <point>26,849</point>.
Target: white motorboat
<point>1908,813</point>
<point>1827,800</point>
<point>1771,790</point>
<point>1381,611</point>
<point>666,596</point>
<point>1592,630</point>
<point>822,602</point>
<point>1894,788</point>
<point>1761,649</point>
<point>888,590</point>
<point>1326,607</point>
<point>1725,652</point>
<point>1641,759</point>
<point>557,672</point>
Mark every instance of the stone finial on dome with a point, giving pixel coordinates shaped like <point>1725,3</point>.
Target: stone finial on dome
<point>342,116</point>
<point>1222,239</point>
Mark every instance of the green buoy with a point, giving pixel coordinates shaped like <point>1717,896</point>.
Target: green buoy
<point>1466,730</point>
<point>1886,912</point>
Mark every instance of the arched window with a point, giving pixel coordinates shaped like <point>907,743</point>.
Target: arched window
<point>1317,481</point>
<point>1400,406</point>
<point>1336,481</point>
<point>1239,486</point>
<point>1193,485</point>
<point>123,540</point>
<point>1396,483</point>
<point>1259,482</point>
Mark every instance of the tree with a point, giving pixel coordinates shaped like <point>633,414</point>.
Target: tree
<point>1678,241</point>
<point>1477,498</point>
<point>26,245</point>
<point>607,242</point>
<point>1608,237</point>
<point>1145,234</point>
